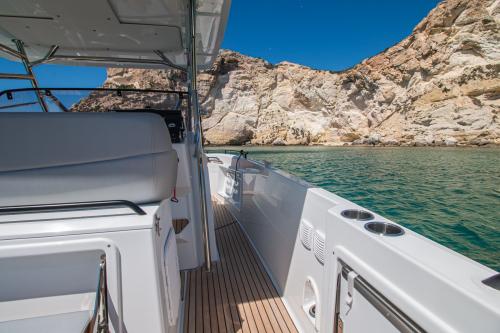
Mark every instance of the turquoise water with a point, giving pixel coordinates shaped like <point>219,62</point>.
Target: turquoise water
<point>450,195</point>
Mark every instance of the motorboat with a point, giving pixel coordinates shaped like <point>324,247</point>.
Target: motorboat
<point>113,218</point>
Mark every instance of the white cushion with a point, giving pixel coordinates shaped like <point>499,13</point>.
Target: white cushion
<point>73,157</point>
<point>63,322</point>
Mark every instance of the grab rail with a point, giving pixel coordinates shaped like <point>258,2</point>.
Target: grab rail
<point>69,206</point>
<point>236,152</point>
<point>180,93</point>
<point>385,307</point>
<point>99,321</point>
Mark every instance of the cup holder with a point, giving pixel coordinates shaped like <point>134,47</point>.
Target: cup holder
<point>356,214</point>
<point>384,229</point>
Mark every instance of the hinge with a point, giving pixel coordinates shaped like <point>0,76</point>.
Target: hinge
<point>157,225</point>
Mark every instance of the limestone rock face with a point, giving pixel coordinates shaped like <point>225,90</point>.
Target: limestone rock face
<point>438,86</point>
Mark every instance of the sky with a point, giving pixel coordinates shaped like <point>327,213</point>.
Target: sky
<point>322,34</point>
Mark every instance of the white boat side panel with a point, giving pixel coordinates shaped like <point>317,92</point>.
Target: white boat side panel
<point>52,280</point>
<point>74,222</point>
<point>60,323</point>
<point>433,290</point>
<point>37,276</point>
<point>189,241</point>
<point>46,306</point>
<point>137,294</point>
<point>362,316</point>
<point>435,287</point>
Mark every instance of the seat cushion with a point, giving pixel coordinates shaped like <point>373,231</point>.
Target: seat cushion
<point>73,157</point>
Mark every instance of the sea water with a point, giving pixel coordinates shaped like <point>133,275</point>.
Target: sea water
<point>450,195</point>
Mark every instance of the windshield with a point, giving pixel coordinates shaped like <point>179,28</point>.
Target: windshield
<point>91,100</point>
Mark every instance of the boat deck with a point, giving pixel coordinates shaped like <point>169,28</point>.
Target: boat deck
<point>238,295</point>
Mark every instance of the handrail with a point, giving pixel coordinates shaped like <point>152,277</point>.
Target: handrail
<point>240,152</point>
<point>70,206</point>
<point>182,94</point>
<point>29,71</point>
<point>99,321</point>
<point>391,312</point>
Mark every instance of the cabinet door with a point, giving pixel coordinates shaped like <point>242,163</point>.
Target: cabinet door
<point>172,277</point>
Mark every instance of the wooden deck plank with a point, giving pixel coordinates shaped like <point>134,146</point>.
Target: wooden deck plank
<point>222,216</point>
<point>256,321</point>
<point>238,295</point>
<point>188,303</point>
<point>245,311</point>
<point>223,303</point>
<point>277,305</point>
<point>199,302</point>
<point>256,283</point>
<point>205,301</point>
<point>238,314</point>
<point>240,324</point>
<point>219,306</point>
<point>214,318</point>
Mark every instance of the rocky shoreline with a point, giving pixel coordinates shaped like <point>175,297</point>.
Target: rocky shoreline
<point>440,86</point>
<point>379,144</point>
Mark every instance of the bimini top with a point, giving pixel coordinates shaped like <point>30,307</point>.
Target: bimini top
<point>139,33</point>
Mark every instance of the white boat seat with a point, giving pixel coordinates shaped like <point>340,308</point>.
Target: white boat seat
<point>48,158</point>
<point>63,323</point>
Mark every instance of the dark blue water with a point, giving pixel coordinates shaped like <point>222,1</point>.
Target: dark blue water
<point>450,195</point>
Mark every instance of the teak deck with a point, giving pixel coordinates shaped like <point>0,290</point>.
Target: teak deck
<point>238,295</point>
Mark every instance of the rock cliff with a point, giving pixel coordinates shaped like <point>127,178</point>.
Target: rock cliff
<point>438,86</point>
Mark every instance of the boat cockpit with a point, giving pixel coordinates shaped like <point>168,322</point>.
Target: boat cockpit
<point>113,218</point>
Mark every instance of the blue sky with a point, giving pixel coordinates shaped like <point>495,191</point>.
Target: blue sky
<point>326,34</point>
<point>323,34</point>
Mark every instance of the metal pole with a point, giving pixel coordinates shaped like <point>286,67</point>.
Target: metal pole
<point>11,52</point>
<point>168,62</point>
<point>189,113</point>
<point>29,71</point>
<point>199,133</point>
<point>52,51</point>
<point>96,59</point>
<point>15,76</point>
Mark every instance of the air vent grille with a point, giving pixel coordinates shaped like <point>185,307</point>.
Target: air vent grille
<point>319,246</point>
<point>306,234</point>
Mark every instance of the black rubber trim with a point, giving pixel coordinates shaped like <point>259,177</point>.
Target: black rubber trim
<point>493,281</point>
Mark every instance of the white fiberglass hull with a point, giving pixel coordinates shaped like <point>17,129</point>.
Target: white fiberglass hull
<point>360,280</point>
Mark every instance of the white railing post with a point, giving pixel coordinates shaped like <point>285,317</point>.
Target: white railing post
<point>198,132</point>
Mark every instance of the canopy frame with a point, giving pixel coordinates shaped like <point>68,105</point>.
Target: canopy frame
<point>194,112</point>
<point>52,55</point>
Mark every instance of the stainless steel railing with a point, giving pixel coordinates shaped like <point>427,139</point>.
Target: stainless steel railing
<point>99,322</point>
<point>391,312</point>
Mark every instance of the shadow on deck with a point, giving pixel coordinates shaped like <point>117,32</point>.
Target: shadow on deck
<point>238,295</point>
